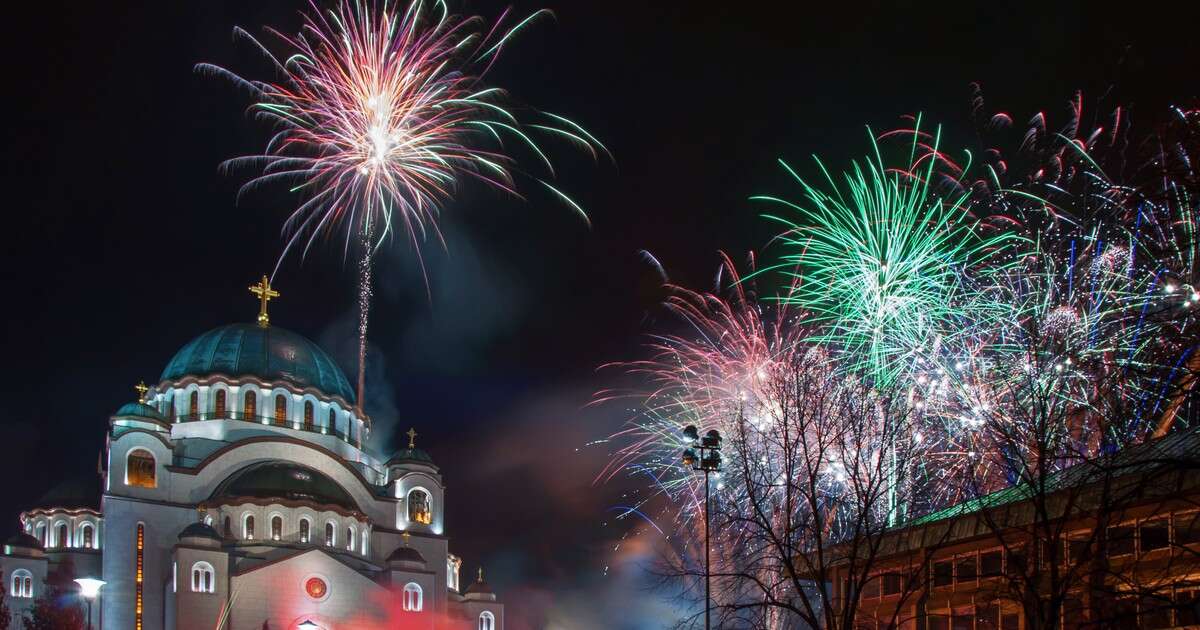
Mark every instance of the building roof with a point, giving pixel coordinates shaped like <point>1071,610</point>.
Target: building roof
<point>21,539</point>
<point>283,480</point>
<point>199,530</point>
<point>1138,459</point>
<point>140,410</point>
<point>71,494</point>
<point>480,587</point>
<point>404,553</point>
<point>269,353</point>
<point>411,455</point>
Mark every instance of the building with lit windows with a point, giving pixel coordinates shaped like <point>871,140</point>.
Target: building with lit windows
<point>237,491</point>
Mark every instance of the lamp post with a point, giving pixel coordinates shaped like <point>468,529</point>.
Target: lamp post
<point>704,455</point>
<point>89,588</point>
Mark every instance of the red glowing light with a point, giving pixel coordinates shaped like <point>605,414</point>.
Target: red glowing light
<point>316,588</point>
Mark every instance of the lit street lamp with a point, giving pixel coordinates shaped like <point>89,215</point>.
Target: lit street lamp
<point>704,455</point>
<point>89,588</point>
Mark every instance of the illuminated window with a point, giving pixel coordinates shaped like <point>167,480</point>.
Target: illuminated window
<point>249,406</point>
<point>203,578</point>
<point>303,530</point>
<point>487,621</point>
<point>88,535</point>
<point>280,410</point>
<point>420,508</point>
<point>412,597</point>
<point>194,405</point>
<point>140,469</point>
<point>365,537</point>
<point>248,527</point>
<point>308,415</point>
<point>219,405</point>
<point>60,535</point>
<point>329,534</point>
<point>41,533</point>
<point>22,584</point>
<point>139,576</point>
<point>276,527</point>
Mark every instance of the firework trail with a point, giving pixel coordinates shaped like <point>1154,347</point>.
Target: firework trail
<point>381,111</point>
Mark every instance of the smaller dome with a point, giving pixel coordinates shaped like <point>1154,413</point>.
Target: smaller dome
<point>139,410</point>
<point>479,587</point>
<point>282,480</point>
<point>404,553</point>
<point>408,455</point>
<point>199,530</point>
<point>21,539</point>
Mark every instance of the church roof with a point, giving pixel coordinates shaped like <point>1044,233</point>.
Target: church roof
<point>270,353</point>
<point>72,493</point>
<point>283,480</point>
<point>479,586</point>
<point>140,410</point>
<point>411,455</point>
<point>404,553</point>
<point>199,530</point>
<point>21,539</point>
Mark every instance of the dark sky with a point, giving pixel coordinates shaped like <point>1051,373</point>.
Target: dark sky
<point>122,241</point>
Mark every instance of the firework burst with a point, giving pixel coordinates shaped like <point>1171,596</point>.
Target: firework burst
<point>381,111</point>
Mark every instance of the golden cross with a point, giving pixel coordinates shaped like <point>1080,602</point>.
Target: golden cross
<point>141,390</point>
<point>264,292</point>
<point>481,573</point>
<point>412,437</point>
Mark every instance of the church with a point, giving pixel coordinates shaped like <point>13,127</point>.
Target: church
<point>236,493</point>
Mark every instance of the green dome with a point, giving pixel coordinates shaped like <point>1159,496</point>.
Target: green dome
<point>139,410</point>
<point>270,353</point>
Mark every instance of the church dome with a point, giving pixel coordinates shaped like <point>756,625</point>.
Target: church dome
<point>24,541</point>
<point>410,455</point>
<point>139,410</point>
<point>199,530</point>
<point>404,553</point>
<point>282,480</point>
<point>269,353</point>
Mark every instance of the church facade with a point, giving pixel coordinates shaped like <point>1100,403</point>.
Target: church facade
<point>236,493</point>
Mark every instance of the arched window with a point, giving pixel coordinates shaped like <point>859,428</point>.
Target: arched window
<point>365,537</point>
<point>60,535</point>
<point>140,469</point>
<point>276,527</point>
<point>248,527</point>
<point>304,530</point>
<point>219,405</point>
<point>87,534</point>
<point>194,405</point>
<point>280,410</point>
<point>420,508</point>
<point>329,534</point>
<point>22,584</point>
<point>487,621</point>
<point>203,578</point>
<point>249,406</point>
<point>412,597</point>
<point>332,428</point>
<point>308,415</point>
<point>350,539</point>
<point>41,533</point>
<point>228,528</point>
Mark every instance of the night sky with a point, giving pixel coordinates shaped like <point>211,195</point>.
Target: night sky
<point>122,240</point>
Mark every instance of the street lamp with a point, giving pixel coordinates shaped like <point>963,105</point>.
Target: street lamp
<point>704,455</point>
<point>89,588</point>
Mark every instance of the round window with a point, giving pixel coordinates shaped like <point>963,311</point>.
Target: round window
<point>316,588</point>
